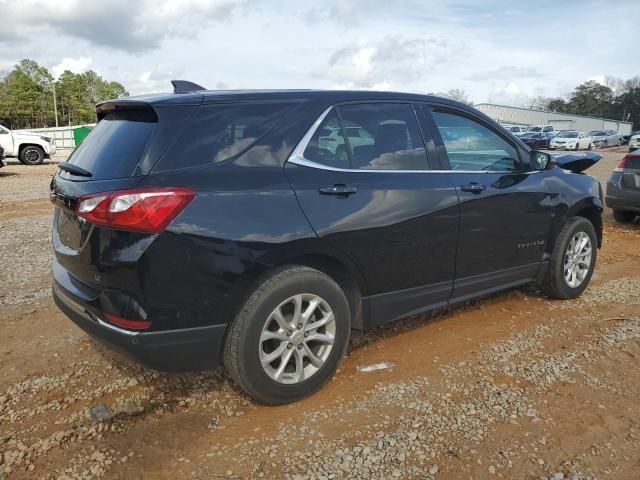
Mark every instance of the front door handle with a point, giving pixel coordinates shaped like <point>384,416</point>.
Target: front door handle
<point>473,187</point>
<point>342,190</point>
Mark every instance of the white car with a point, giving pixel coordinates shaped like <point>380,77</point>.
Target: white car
<point>515,129</point>
<point>606,138</point>
<point>29,148</point>
<point>634,142</point>
<point>571,140</point>
<point>332,140</point>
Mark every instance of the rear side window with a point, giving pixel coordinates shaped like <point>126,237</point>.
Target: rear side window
<point>327,146</point>
<point>386,137</point>
<point>220,132</point>
<point>115,145</point>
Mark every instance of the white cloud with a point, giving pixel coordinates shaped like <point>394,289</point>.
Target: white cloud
<point>387,63</point>
<point>488,50</point>
<point>76,65</point>
<point>116,23</point>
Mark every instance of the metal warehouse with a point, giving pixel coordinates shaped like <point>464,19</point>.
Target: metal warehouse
<point>561,121</point>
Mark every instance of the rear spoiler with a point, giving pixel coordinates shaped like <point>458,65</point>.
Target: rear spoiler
<point>576,162</point>
<point>119,105</point>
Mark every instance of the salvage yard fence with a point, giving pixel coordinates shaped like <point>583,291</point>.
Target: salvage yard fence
<point>67,138</point>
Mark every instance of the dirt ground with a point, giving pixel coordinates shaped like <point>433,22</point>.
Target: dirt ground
<point>513,386</point>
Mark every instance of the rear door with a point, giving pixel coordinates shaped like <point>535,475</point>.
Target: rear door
<point>382,206</point>
<point>505,213</point>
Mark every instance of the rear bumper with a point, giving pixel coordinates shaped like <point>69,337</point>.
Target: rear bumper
<point>622,198</point>
<point>189,349</point>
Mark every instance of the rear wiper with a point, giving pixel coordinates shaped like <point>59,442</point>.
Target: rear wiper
<point>74,169</point>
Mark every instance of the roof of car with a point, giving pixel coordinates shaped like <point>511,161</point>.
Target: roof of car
<point>214,96</point>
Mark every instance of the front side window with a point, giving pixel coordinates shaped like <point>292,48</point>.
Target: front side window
<point>548,129</point>
<point>388,137</point>
<point>472,146</point>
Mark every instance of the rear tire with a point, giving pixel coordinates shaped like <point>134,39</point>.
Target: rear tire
<point>623,216</point>
<point>32,155</point>
<point>555,283</point>
<point>267,325</point>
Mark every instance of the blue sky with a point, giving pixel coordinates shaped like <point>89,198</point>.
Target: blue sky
<point>502,52</point>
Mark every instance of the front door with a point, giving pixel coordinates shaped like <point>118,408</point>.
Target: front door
<point>505,210</point>
<point>380,205</point>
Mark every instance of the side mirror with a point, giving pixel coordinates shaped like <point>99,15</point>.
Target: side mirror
<point>540,160</point>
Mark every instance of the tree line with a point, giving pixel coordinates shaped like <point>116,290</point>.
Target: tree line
<point>30,97</point>
<point>614,99</point>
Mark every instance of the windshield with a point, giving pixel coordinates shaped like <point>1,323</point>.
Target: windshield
<point>597,133</point>
<point>567,135</point>
<point>534,129</point>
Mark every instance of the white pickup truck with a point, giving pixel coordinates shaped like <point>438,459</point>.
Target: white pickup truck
<point>29,148</point>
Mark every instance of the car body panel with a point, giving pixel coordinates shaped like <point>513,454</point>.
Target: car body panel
<point>623,187</point>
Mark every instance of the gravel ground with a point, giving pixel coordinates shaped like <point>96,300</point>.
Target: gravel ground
<point>514,386</point>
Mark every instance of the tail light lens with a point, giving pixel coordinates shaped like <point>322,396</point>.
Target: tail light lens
<point>147,210</point>
<point>623,163</point>
<point>123,322</point>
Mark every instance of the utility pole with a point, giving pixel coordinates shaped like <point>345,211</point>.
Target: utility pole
<point>55,104</point>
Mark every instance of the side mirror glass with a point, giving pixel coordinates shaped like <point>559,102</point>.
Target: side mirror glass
<point>540,160</point>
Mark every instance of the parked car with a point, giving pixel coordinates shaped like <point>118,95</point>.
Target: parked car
<point>516,130</point>
<point>207,227</point>
<point>570,140</point>
<point>605,138</point>
<point>333,140</point>
<point>29,148</point>
<point>634,141</point>
<point>623,189</point>
<point>626,138</point>
<point>549,130</point>
<point>535,140</point>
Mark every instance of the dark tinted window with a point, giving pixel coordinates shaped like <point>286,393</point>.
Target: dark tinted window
<point>327,145</point>
<point>219,132</point>
<point>472,146</point>
<point>388,137</point>
<point>115,145</point>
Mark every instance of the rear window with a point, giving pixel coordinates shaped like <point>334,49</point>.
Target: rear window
<point>220,132</point>
<point>115,145</point>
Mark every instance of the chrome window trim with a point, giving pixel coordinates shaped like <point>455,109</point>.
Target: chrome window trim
<point>297,157</point>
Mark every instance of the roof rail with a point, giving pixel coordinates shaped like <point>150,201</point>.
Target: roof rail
<point>183,86</point>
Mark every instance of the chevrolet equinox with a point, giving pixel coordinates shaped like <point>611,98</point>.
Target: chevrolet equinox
<point>258,229</point>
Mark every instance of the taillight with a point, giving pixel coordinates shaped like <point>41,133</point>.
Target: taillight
<point>141,209</point>
<point>622,165</point>
<point>123,322</point>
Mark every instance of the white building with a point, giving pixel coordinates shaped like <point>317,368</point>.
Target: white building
<point>561,121</point>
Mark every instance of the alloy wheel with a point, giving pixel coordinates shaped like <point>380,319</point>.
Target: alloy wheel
<point>297,338</point>
<point>31,155</point>
<point>577,259</point>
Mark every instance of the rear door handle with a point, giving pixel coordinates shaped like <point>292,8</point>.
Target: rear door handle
<point>338,190</point>
<point>473,187</point>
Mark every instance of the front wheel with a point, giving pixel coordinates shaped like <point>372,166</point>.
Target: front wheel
<point>32,155</point>
<point>289,337</point>
<point>572,260</point>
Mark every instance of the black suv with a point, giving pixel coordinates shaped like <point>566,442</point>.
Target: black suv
<point>259,228</point>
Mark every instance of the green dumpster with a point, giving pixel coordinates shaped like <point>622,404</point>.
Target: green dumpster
<point>79,134</point>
